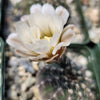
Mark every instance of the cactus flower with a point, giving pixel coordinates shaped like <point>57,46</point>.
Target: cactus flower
<point>41,35</point>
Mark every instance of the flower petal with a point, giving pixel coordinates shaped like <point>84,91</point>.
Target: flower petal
<point>35,33</point>
<point>67,37</point>
<point>24,53</point>
<point>55,39</point>
<point>23,32</point>
<point>48,9</point>
<point>57,48</point>
<point>63,13</point>
<point>52,59</point>
<point>71,26</point>
<point>14,41</point>
<point>57,23</point>
<point>38,57</point>
<point>40,21</point>
<point>47,24</point>
<point>35,8</point>
<point>41,47</point>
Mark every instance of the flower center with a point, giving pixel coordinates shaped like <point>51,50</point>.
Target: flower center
<point>47,37</point>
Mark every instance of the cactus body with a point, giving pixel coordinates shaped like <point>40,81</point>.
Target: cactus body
<point>65,81</point>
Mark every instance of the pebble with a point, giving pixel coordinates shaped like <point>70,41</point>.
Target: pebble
<point>27,66</point>
<point>69,98</point>
<point>35,65</point>
<point>14,61</point>
<point>83,86</point>
<point>27,95</point>
<point>86,2</point>
<point>12,94</point>
<point>36,93</point>
<point>70,91</point>
<point>68,2</point>
<point>80,94</point>
<point>78,59</point>
<point>28,83</point>
<point>88,73</point>
<point>93,15</point>
<point>94,34</point>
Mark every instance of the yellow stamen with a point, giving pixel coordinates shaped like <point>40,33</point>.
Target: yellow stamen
<point>48,38</point>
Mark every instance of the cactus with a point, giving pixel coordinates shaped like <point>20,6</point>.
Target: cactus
<point>65,81</point>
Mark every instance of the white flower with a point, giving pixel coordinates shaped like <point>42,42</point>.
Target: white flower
<point>41,35</point>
